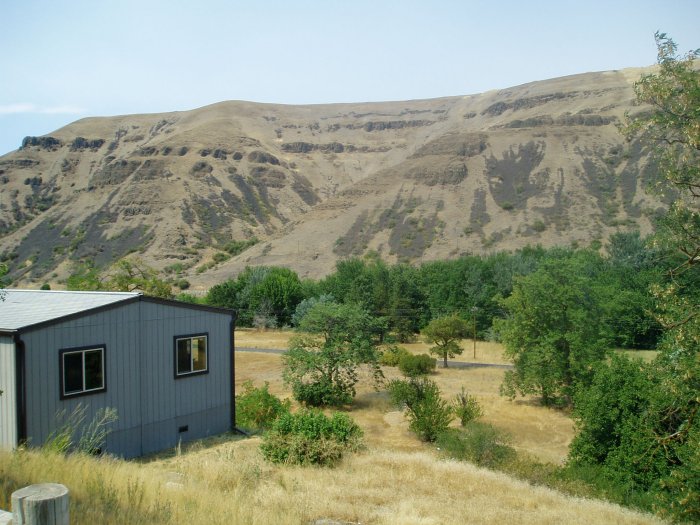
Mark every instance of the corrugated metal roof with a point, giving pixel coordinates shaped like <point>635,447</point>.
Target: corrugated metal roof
<point>22,308</point>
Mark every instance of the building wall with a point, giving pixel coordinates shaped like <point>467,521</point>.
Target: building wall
<point>202,403</point>
<point>139,360</point>
<point>8,399</point>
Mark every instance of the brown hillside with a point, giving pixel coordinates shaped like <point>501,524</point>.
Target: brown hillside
<point>415,180</point>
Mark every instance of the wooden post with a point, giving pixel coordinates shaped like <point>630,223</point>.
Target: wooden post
<point>42,504</point>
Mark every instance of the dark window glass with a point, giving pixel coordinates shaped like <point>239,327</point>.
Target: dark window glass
<point>73,372</point>
<point>184,356</point>
<point>93,369</point>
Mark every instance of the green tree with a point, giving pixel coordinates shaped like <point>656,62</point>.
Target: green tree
<point>631,270</point>
<point>366,282</point>
<point>672,125</point>
<point>445,333</point>
<point>262,295</point>
<point>616,397</point>
<point>554,332</point>
<point>641,423</point>
<point>427,412</point>
<point>3,271</point>
<point>307,304</point>
<point>321,365</point>
<point>279,290</point>
<point>85,277</point>
<point>128,275</point>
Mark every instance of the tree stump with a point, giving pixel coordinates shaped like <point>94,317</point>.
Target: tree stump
<point>41,504</point>
<point>5,518</point>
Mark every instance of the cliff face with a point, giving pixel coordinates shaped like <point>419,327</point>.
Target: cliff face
<point>416,180</point>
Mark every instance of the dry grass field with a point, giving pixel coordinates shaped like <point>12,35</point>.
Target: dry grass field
<point>396,479</point>
<point>543,433</point>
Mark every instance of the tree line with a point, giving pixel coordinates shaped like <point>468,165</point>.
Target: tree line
<point>403,299</point>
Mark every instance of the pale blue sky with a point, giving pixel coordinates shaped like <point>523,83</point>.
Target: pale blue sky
<point>61,60</point>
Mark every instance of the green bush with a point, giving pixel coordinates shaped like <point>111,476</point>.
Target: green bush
<point>466,407</point>
<point>236,247</point>
<point>478,443</point>
<point>428,413</point>
<point>321,393</point>
<point>392,355</point>
<point>309,437</point>
<point>257,409</point>
<point>416,365</point>
<point>539,226</point>
<point>220,257</point>
<point>188,298</point>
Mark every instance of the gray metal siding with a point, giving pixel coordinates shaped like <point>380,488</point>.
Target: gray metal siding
<point>201,402</point>
<point>117,329</point>
<point>139,360</point>
<point>8,399</point>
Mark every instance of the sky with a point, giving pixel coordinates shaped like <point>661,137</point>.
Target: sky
<point>62,60</point>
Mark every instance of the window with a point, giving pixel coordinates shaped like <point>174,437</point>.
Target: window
<point>82,370</point>
<point>191,355</point>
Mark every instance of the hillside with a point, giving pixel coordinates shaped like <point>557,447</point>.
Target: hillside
<point>414,180</point>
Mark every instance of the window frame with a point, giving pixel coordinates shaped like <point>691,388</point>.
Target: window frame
<point>62,370</point>
<point>176,339</point>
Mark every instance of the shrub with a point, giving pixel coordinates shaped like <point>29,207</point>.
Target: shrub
<point>478,443</point>
<point>236,247</point>
<point>220,257</point>
<point>428,413</point>
<point>416,365</point>
<point>188,298</point>
<point>392,355</point>
<point>466,407</point>
<point>321,393</point>
<point>256,408</point>
<point>309,437</point>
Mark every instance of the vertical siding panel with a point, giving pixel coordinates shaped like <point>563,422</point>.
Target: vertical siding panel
<point>8,399</point>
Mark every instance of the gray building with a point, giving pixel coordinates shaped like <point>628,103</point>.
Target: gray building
<point>166,367</point>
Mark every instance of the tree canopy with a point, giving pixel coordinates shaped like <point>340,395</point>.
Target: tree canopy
<point>640,422</point>
<point>554,332</point>
<point>445,333</point>
<point>125,275</point>
<point>321,364</point>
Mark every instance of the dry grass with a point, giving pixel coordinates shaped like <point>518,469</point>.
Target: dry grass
<point>253,338</point>
<point>229,482</point>
<point>543,433</point>
<point>397,479</point>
